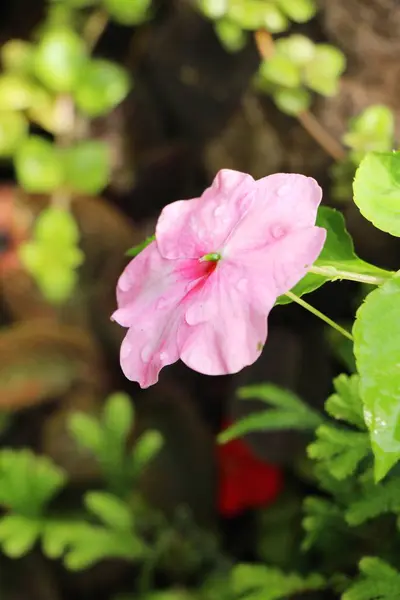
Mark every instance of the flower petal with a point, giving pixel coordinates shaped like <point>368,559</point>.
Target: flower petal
<point>282,204</point>
<point>192,228</point>
<point>233,335</point>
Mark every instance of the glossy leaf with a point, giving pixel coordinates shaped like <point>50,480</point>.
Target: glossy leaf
<point>87,167</point>
<point>376,333</point>
<point>377,190</point>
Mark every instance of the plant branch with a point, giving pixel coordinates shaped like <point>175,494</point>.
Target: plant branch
<point>266,48</point>
<point>319,314</point>
<point>332,272</point>
<point>94,28</point>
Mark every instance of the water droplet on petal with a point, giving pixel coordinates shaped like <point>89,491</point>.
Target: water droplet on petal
<point>277,232</point>
<point>219,211</point>
<point>163,356</point>
<point>283,190</point>
<point>124,282</point>
<point>161,303</point>
<point>146,353</point>
<point>126,349</point>
<point>242,285</point>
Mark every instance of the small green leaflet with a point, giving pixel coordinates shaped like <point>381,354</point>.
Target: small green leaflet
<point>377,190</point>
<point>376,347</point>
<point>337,254</point>
<point>137,249</point>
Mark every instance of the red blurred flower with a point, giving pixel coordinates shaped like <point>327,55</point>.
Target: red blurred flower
<point>245,481</point>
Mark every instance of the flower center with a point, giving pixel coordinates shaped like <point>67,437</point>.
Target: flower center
<point>211,260</point>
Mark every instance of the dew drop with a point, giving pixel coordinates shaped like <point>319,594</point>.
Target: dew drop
<point>124,282</point>
<point>161,303</point>
<point>242,285</point>
<point>277,232</point>
<point>146,353</point>
<point>126,349</point>
<point>283,190</point>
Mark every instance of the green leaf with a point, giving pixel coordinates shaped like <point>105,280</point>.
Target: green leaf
<point>102,86</point>
<point>56,226</point>
<point>13,131</point>
<point>38,166</point>
<point>340,450</point>
<point>378,581</point>
<point>87,166</point>
<point>374,500</point>
<point>323,520</point>
<point>299,11</point>
<point>213,9</point>
<point>337,254</point>
<point>59,59</point>
<point>321,74</point>
<point>290,413</point>
<point>118,416</point>
<point>280,70</point>
<point>28,482</point>
<point>372,130</point>
<point>146,448</point>
<point>252,15</point>
<point>86,431</point>
<point>297,48</point>
<point>16,56</point>
<point>128,12</point>
<point>377,190</point>
<point>16,92</point>
<point>231,35</point>
<point>18,534</point>
<point>259,582</point>
<point>110,510</point>
<point>292,101</point>
<point>345,404</point>
<point>376,333</point>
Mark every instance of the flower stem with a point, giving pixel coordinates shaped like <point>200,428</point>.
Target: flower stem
<point>95,27</point>
<point>319,314</point>
<point>266,48</point>
<point>334,273</point>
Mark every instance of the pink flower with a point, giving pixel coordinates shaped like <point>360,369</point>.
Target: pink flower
<point>203,290</point>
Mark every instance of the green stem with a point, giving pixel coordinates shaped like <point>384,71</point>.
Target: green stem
<point>319,314</point>
<point>95,27</point>
<point>332,272</point>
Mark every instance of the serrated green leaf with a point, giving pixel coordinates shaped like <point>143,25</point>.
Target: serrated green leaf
<point>291,413</point>
<point>18,534</point>
<point>377,190</point>
<point>374,500</point>
<point>112,511</point>
<point>345,404</point>
<point>87,166</point>
<point>259,581</point>
<point>378,581</point>
<point>376,333</point>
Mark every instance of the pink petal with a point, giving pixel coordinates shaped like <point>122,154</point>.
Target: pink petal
<point>282,204</point>
<point>150,294</point>
<point>233,336</point>
<point>192,228</point>
<point>279,266</point>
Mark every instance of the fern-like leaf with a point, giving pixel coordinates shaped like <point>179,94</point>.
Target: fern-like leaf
<point>341,450</point>
<point>323,519</point>
<point>375,499</point>
<point>345,404</point>
<point>259,582</point>
<point>378,581</point>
